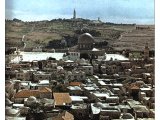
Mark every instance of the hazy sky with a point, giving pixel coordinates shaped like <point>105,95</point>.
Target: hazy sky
<point>117,11</point>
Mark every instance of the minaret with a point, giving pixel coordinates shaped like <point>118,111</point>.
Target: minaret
<point>99,19</point>
<point>74,14</point>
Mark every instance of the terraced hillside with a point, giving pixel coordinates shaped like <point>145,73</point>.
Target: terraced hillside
<point>136,38</point>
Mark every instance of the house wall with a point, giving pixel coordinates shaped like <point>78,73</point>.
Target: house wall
<point>88,70</point>
<point>38,77</point>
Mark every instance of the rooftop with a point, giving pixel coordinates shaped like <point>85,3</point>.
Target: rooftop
<point>74,88</point>
<point>79,106</point>
<point>78,98</point>
<point>62,98</point>
<point>27,93</point>
<point>75,83</point>
<point>14,118</point>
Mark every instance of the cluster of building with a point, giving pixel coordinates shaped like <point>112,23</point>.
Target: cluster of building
<point>75,88</point>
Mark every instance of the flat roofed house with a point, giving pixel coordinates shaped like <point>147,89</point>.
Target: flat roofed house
<point>41,76</point>
<point>75,90</point>
<point>111,112</point>
<point>88,69</point>
<point>80,111</point>
<point>62,99</point>
<point>73,56</point>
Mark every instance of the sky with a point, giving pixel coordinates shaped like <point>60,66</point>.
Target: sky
<point>116,11</point>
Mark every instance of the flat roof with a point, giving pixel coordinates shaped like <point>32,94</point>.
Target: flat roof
<point>78,98</point>
<point>102,82</point>
<point>18,105</point>
<point>79,106</point>
<point>124,106</point>
<point>101,94</point>
<point>44,82</point>
<point>87,66</point>
<point>140,108</point>
<point>145,89</point>
<point>74,88</point>
<point>15,118</point>
<point>90,88</point>
<point>116,89</point>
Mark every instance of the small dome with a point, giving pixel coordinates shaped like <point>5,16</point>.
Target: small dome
<point>86,38</point>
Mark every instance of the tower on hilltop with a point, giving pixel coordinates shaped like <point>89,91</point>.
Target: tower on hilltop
<point>146,51</point>
<point>74,14</point>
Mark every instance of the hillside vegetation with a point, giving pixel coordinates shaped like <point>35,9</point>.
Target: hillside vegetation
<point>51,34</point>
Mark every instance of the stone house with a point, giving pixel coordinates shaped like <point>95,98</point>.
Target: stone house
<point>80,111</point>
<point>75,90</point>
<point>78,99</point>
<point>23,75</point>
<point>41,76</point>
<point>88,70</point>
<point>104,111</point>
<point>149,102</point>
<point>126,65</point>
<point>72,56</point>
<point>105,97</point>
<point>76,76</point>
<point>139,110</point>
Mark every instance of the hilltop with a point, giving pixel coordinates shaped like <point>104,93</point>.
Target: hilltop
<point>63,33</point>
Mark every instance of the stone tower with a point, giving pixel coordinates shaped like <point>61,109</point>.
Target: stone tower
<point>146,52</point>
<point>74,14</point>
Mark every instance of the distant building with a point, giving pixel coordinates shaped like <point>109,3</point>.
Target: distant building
<point>71,56</point>
<point>37,49</point>
<point>74,14</point>
<point>85,42</point>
